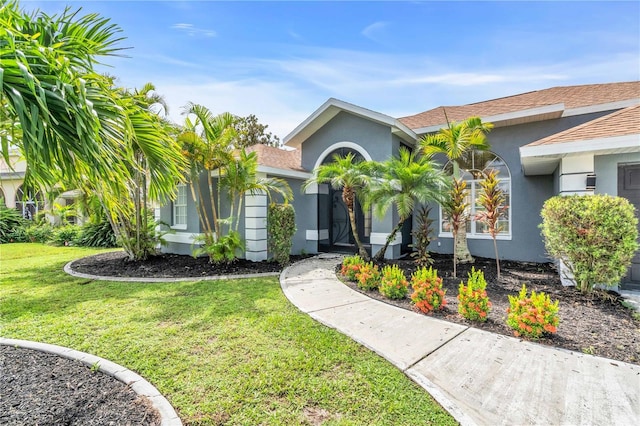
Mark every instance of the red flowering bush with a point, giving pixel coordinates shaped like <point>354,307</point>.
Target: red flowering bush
<point>428,294</point>
<point>351,266</point>
<point>532,316</point>
<point>473,301</point>
<point>393,284</point>
<point>368,277</point>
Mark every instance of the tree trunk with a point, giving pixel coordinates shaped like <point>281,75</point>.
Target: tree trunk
<point>495,247</point>
<point>349,200</point>
<point>392,236</point>
<point>461,248</point>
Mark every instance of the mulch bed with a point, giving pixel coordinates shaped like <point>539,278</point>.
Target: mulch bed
<point>38,388</point>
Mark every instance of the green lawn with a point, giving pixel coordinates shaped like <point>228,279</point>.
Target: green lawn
<point>222,352</point>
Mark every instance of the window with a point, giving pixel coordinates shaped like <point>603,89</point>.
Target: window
<point>471,170</point>
<point>28,205</point>
<point>180,208</point>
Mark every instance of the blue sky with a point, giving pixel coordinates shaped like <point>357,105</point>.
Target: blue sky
<point>282,60</point>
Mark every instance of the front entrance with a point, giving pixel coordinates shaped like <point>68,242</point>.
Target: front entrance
<point>334,216</point>
<point>629,188</point>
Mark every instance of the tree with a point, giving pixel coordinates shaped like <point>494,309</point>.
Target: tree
<point>404,181</point>
<point>251,132</point>
<point>76,127</point>
<point>456,141</point>
<point>350,175</point>
<point>492,200</point>
<point>455,207</point>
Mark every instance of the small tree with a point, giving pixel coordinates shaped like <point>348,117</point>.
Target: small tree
<point>281,226</point>
<point>456,209</point>
<point>594,235</point>
<point>492,199</point>
<point>251,132</point>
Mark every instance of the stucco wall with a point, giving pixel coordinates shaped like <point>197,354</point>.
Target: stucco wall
<point>606,168</point>
<point>528,193</point>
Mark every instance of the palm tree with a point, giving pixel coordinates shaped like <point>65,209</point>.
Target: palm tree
<point>348,174</point>
<point>239,177</point>
<point>404,181</point>
<point>456,141</point>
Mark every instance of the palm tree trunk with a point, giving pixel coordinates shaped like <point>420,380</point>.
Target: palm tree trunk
<point>216,225</point>
<point>349,200</point>
<point>461,248</point>
<point>392,236</point>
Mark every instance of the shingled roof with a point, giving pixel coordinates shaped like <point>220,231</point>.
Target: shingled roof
<point>277,158</point>
<point>571,96</point>
<point>620,123</point>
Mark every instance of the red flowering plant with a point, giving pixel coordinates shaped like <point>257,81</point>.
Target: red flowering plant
<point>473,301</point>
<point>393,283</point>
<point>532,316</point>
<point>428,294</point>
<point>368,277</point>
<point>351,266</point>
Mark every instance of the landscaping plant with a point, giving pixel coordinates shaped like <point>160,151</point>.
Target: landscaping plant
<point>456,209</point>
<point>595,236</point>
<point>473,302</point>
<point>428,294</point>
<point>281,226</point>
<point>368,276</point>
<point>422,237</point>
<point>532,316</point>
<point>351,266</point>
<point>492,200</point>
<point>11,224</point>
<point>393,283</point>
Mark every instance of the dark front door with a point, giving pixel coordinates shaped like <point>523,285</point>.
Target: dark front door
<point>629,188</point>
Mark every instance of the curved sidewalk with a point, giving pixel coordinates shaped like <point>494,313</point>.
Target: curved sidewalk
<point>481,378</point>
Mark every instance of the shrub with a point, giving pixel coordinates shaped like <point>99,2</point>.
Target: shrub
<point>531,316</point>
<point>428,294</point>
<point>473,301</point>
<point>393,283</point>
<point>66,235</point>
<point>594,235</point>
<point>492,199</point>
<point>281,226</point>
<point>351,266</point>
<point>11,224</point>
<point>39,233</point>
<point>225,250</point>
<point>422,237</point>
<point>97,235</point>
<point>368,276</point>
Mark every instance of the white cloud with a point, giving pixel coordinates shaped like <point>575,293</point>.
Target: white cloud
<point>375,31</point>
<point>192,31</point>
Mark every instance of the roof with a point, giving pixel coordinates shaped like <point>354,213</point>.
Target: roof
<point>277,158</point>
<point>330,109</point>
<point>615,133</point>
<point>565,97</point>
<point>620,123</point>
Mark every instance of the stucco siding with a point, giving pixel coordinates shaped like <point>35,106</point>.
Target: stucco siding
<point>606,169</point>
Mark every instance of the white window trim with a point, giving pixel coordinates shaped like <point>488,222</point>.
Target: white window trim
<point>179,226</point>
<point>481,236</point>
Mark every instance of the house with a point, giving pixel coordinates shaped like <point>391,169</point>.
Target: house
<point>563,140</point>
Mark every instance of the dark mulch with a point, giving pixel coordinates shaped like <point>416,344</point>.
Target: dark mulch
<point>597,324</point>
<point>43,389</point>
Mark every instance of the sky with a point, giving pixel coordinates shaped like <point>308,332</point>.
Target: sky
<point>283,60</point>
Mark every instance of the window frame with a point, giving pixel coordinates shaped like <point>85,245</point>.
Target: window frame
<point>176,204</point>
<point>472,187</point>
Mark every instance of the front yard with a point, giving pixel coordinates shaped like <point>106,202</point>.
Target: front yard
<point>234,351</point>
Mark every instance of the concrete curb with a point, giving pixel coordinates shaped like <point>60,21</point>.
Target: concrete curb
<point>137,383</point>
<point>68,268</point>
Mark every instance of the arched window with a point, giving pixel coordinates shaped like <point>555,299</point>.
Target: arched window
<point>471,169</point>
<point>29,204</point>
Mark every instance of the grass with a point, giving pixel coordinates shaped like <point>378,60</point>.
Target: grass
<point>223,352</point>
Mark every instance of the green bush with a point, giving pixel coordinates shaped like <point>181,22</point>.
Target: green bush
<point>281,226</point>
<point>368,276</point>
<point>531,316</point>
<point>393,283</point>
<point>11,225</point>
<point>351,266</point>
<point>97,235</point>
<point>39,233</point>
<point>225,250</point>
<point>428,294</point>
<point>594,235</point>
<point>473,301</point>
<point>66,235</point>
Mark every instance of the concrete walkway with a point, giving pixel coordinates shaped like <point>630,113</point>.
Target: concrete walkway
<point>481,378</point>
